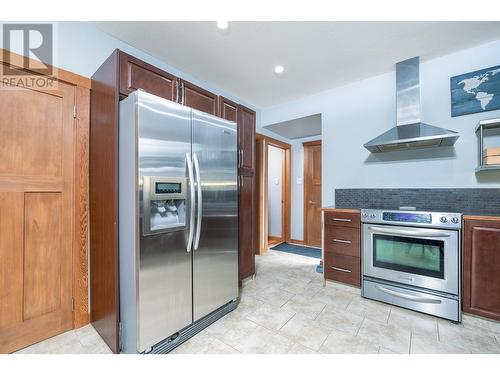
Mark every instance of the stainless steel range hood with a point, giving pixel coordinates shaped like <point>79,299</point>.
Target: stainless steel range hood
<point>410,132</point>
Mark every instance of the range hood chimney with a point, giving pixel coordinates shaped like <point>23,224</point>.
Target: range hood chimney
<point>410,132</point>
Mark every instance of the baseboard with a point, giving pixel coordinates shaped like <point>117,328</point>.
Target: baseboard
<point>302,243</point>
<point>296,242</point>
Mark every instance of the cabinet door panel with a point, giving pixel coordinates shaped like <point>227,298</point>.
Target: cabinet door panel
<point>228,109</point>
<point>246,226</point>
<point>246,138</point>
<point>136,74</point>
<point>198,98</point>
<point>481,268</point>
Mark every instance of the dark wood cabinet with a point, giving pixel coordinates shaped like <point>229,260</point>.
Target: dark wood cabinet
<point>228,110</point>
<point>245,119</point>
<point>246,226</point>
<point>137,74</point>
<point>246,139</point>
<point>198,98</point>
<point>103,210</point>
<point>481,266</point>
<point>342,246</point>
<point>246,162</point>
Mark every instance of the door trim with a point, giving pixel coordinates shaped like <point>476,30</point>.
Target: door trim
<point>305,189</point>
<point>80,240</point>
<point>262,142</point>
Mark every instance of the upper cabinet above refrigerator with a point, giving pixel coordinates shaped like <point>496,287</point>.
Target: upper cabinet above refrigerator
<point>136,74</point>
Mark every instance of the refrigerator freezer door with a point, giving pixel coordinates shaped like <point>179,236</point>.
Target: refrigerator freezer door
<point>215,260</point>
<point>165,264</point>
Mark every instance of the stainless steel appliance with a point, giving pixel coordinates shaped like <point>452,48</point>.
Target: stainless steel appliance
<point>178,222</point>
<point>410,132</point>
<point>412,259</point>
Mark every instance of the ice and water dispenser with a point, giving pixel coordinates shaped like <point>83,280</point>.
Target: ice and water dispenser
<point>164,204</point>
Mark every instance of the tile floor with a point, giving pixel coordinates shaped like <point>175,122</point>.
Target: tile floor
<point>286,309</point>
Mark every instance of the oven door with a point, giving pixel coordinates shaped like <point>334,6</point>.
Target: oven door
<point>422,257</point>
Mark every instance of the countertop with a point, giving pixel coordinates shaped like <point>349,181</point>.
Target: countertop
<point>333,208</point>
<point>465,215</point>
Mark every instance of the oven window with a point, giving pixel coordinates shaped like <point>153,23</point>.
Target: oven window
<point>411,255</point>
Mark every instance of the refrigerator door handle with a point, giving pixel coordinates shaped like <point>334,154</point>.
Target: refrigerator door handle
<point>191,201</point>
<point>199,202</point>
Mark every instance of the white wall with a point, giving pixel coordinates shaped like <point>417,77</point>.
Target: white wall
<point>356,113</point>
<point>275,185</point>
<point>81,48</point>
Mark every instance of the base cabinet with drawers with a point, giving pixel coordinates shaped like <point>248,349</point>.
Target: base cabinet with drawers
<point>341,246</point>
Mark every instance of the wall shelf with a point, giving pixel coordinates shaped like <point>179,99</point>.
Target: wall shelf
<point>482,128</point>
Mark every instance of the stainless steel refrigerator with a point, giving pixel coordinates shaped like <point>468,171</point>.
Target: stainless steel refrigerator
<point>178,222</point>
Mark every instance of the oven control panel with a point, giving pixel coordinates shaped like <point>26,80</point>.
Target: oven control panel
<point>447,220</point>
<point>407,217</point>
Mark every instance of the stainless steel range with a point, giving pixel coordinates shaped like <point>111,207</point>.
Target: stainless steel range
<point>412,259</point>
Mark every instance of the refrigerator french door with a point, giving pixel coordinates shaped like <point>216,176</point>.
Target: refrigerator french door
<point>178,218</point>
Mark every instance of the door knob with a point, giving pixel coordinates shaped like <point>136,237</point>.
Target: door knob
<point>311,202</point>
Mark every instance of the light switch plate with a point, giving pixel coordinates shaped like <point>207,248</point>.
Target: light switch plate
<point>299,180</point>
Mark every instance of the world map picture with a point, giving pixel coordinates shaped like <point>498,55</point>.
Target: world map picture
<point>474,92</point>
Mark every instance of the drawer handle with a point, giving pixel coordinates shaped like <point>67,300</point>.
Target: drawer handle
<point>341,269</point>
<point>408,296</point>
<point>343,220</point>
<point>342,241</point>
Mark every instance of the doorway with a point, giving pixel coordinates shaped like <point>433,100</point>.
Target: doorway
<point>273,188</point>
<point>275,194</point>
<point>312,193</point>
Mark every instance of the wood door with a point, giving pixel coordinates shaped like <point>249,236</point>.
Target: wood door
<point>198,98</point>
<point>312,193</point>
<point>246,138</point>
<point>228,109</point>
<point>36,214</point>
<point>481,268</point>
<point>246,226</point>
<point>137,74</point>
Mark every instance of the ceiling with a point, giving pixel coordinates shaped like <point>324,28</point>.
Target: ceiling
<point>298,128</point>
<point>316,55</point>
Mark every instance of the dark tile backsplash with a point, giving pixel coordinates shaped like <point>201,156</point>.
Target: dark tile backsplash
<point>467,201</point>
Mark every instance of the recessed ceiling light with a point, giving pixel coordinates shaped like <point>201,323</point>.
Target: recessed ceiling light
<point>223,25</point>
<point>279,69</point>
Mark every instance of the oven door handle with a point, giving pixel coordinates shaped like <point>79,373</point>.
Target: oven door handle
<point>406,232</point>
<point>408,296</point>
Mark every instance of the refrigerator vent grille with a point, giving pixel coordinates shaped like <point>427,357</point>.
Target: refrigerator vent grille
<point>169,344</point>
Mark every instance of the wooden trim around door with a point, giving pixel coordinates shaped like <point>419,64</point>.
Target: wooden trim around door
<point>18,61</point>
<point>263,141</point>
<point>312,143</point>
<point>305,185</point>
<point>81,206</point>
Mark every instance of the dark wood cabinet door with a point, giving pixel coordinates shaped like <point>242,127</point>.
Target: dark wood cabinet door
<point>481,268</point>
<point>246,226</point>
<point>246,138</point>
<point>198,98</point>
<point>137,74</point>
<point>228,110</point>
